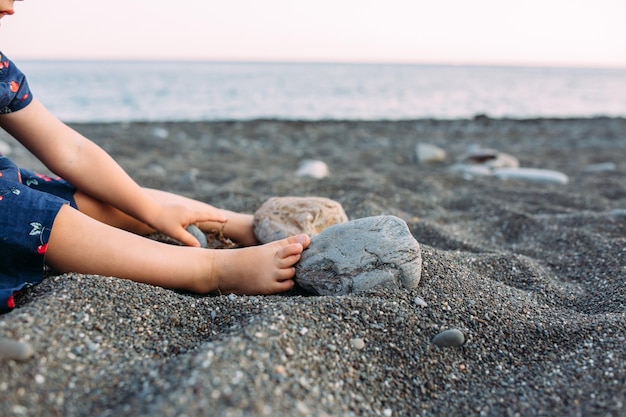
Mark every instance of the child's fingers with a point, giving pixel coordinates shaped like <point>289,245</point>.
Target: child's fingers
<point>183,236</point>
<point>203,216</point>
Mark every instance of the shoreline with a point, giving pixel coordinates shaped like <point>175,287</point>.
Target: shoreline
<point>533,274</point>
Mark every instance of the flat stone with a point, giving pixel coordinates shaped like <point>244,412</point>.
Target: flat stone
<point>281,217</point>
<point>19,351</point>
<point>601,167</point>
<point>471,171</point>
<point>359,256</point>
<point>531,174</point>
<point>618,213</point>
<point>449,338</point>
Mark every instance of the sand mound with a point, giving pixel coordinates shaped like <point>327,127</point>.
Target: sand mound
<point>533,274</point>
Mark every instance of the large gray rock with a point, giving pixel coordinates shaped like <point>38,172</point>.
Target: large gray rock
<point>281,217</point>
<point>361,255</point>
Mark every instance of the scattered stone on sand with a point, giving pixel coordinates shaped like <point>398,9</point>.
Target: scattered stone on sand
<point>531,174</point>
<point>361,255</point>
<point>281,217</point>
<point>534,277</point>
<point>488,157</point>
<point>601,167</point>
<point>428,153</point>
<point>618,213</point>
<point>312,168</point>
<point>471,171</point>
<point>479,162</point>
<point>358,343</point>
<point>160,132</point>
<point>11,349</point>
<point>420,302</point>
<point>198,234</point>
<point>449,338</point>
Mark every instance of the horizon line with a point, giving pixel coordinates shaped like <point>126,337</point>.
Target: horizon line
<point>518,64</point>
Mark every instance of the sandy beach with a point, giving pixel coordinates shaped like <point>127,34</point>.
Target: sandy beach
<point>533,274</point>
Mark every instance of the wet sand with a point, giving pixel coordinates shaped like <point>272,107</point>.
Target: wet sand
<point>533,274</point>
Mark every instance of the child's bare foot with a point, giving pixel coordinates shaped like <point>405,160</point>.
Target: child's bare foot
<point>265,269</point>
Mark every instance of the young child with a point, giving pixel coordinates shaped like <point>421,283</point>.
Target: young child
<point>92,221</point>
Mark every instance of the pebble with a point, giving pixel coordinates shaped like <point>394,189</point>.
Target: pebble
<point>358,343</point>
<point>160,132</point>
<point>618,213</point>
<point>281,217</point>
<point>449,338</point>
<point>531,174</point>
<point>601,167</point>
<point>313,168</point>
<point>471,171</point>
<point>427,153</point>
<point>358,256</point>
<point>420,302</point>
<point>198,234</point>
<point>19,351</point>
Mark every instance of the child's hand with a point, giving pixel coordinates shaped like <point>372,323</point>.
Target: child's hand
<point>174,218</point>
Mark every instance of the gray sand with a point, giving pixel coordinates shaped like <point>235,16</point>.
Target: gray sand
<point>533,274</point>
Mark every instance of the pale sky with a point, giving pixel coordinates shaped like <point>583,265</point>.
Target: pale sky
<point>522,32</point>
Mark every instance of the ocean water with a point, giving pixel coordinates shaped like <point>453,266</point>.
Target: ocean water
<point>99,91</point>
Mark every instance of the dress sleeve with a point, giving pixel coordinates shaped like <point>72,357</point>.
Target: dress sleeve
<point>14,91</point>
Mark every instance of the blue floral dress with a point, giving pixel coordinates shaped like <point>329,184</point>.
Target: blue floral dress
<point>29,203</point>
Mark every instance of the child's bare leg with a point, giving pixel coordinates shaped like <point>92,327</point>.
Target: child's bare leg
<point>239,226</point>
<point>81,244</point>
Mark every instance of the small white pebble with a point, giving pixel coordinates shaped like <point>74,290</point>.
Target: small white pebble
<point>313,169</point>
<point>420,302</point>
<point>303,331</point>
<point>160,132</point>
<point>19,351</point>
<point>19,410</point>
<point>358,343</point>
<point>40,379</point>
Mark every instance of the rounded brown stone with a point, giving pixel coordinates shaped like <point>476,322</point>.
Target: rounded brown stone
<point>281,217</point>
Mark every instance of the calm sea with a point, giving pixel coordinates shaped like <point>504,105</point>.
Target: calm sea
<point>127,91</point>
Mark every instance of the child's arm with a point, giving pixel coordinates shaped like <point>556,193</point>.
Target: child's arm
<point>90,169</point>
